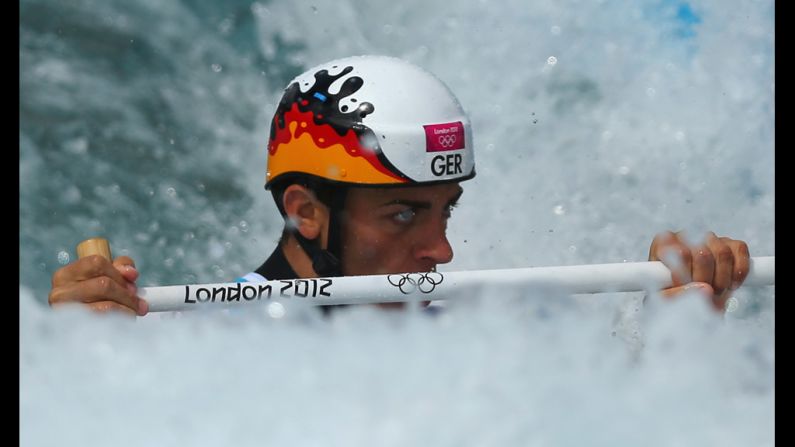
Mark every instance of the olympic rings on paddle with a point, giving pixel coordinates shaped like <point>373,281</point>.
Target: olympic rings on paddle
<point>409,282</point>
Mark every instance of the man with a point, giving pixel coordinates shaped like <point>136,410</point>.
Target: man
<point>365,160</point>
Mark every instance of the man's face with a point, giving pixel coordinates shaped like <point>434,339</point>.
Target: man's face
<point>397,230</point>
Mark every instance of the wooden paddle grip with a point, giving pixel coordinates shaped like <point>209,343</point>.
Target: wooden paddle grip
<point>94,246</point>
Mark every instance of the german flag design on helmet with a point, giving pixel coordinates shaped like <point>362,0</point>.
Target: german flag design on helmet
<point>370,120</point>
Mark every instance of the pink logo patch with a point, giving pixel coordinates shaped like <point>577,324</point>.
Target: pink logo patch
<point>444,137</point>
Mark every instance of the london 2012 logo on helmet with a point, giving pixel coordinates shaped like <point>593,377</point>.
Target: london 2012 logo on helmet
<point>409,282</point>
<point>444,137</point>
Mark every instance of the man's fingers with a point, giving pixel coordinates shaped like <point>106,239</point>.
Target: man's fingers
<point>668,249</point>
<point>718,302</point>
<point>94,290</point>
<point>86,268</point>
<point>123,260</point>
<point>703,264</point>
<point>109,306</point>
<point>717,267</point>
<point>126,266</point>
<point>742,261</point>
<point>700,287</point>
<point>723,261</point>
<point>102,307</point>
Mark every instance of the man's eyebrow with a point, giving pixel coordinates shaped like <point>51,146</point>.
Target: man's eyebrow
<point>409,203</point>
<point>420,204</point>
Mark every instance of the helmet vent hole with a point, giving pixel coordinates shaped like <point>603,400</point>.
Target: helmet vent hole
<point>344,108</point>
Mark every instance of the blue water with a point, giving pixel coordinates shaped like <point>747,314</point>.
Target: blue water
<point>596,125</point>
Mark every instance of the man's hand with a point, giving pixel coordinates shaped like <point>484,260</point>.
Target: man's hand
<point>717,266</point>
<point>98,284</point>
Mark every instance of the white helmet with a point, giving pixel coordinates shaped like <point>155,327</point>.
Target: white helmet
<point>370,120</point>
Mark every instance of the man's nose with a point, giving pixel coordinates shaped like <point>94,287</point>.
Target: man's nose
<point>434,246</point>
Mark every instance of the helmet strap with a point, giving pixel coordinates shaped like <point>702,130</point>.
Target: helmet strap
<point>327,262</point>
<point>324,263</point>
<point>334,245</point>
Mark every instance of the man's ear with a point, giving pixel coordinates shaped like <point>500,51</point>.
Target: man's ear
<point>305,211</point>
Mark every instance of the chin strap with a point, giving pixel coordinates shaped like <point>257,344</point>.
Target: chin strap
<point>324,262</point>
<point>327,262</point>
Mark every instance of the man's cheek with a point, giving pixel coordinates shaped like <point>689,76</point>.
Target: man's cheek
<point>367,251</point>
<point>364,255</point>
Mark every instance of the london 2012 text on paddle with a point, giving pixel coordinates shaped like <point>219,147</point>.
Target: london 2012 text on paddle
<point>297,288</point>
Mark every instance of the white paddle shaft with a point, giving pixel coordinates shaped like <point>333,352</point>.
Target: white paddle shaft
<point>576,279</point>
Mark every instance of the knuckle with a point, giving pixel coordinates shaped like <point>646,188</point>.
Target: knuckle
<point>96,263</point>
<point>105,285</point>
<point>724,254</point>
<point>742,248</point>
<point>684,254</point>
<point>662,239</point>
<point>124,260</point>
<point>703,256</point>
<point>58,277</point>
<point>54,297</point>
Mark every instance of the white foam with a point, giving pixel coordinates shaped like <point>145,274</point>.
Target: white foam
<point>583,136</point>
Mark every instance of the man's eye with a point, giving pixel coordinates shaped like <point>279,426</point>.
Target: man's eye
<point>404,216</point>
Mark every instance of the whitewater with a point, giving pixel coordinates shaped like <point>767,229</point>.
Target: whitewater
<point>596,125</point>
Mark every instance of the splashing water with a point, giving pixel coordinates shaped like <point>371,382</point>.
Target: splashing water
<point>147,123</point>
